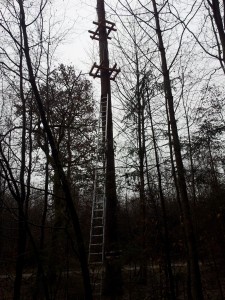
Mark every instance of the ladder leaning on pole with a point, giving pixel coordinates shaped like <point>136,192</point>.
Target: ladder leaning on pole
<point>97,232</point>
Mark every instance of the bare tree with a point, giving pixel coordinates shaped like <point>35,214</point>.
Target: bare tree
<point>195,278</point>
<point>23,44</point>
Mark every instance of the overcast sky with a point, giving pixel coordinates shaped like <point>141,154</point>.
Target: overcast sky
<point>78,47</point>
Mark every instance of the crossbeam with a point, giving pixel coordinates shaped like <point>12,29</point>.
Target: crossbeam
<point>110,26</point>
<point>96,71</point>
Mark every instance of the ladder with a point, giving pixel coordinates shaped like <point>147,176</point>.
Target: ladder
<point>97,232</point>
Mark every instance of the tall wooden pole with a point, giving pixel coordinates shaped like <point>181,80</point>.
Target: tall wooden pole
<point>112,283</point>
<point>111,197</point>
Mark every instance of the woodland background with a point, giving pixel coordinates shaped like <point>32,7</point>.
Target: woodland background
<point>168,109</point>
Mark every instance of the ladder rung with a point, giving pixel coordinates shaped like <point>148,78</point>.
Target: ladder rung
<point>96,253</point>
<point>96,235</point>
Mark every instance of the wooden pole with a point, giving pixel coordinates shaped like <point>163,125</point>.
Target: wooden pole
<point>113,282</point>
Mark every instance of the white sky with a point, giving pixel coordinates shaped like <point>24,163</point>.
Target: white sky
<point>78,47</point>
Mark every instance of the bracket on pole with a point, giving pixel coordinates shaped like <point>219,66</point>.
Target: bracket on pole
<point>96,71</point>
<point>110,26</point>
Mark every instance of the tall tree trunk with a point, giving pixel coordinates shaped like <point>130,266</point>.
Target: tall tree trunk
<point>195,279</point>
<point>174,175</point>
<point>215,7</point>
<point>141,155</point>
<point>20,257</point>
<point>168,265</point>
<point>55,155</point>
<point>22,235</point>
<point>39,288</point>
<point>55,265</point>
<point>191,159</point>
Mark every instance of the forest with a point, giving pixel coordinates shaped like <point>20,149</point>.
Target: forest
<point>140,141</point>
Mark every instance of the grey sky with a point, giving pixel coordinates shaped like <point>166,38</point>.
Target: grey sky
<point>78,47</point>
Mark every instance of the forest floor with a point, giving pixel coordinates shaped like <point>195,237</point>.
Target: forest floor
<point>69,285</point>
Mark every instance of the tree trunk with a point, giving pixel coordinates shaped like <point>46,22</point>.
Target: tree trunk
<point>55,265</point>
<point>195,278</point>
<point>168,265</point>
<point>141,154</point>
<point>20,258</point>
<point>22,235</point>
<point>55,155</point>
<point>215,6</point>
<point>190,154</point>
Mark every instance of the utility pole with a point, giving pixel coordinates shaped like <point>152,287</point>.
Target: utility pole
<point>112,282</point>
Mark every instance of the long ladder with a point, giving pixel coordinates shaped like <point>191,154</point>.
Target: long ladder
<point>97,232</point>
